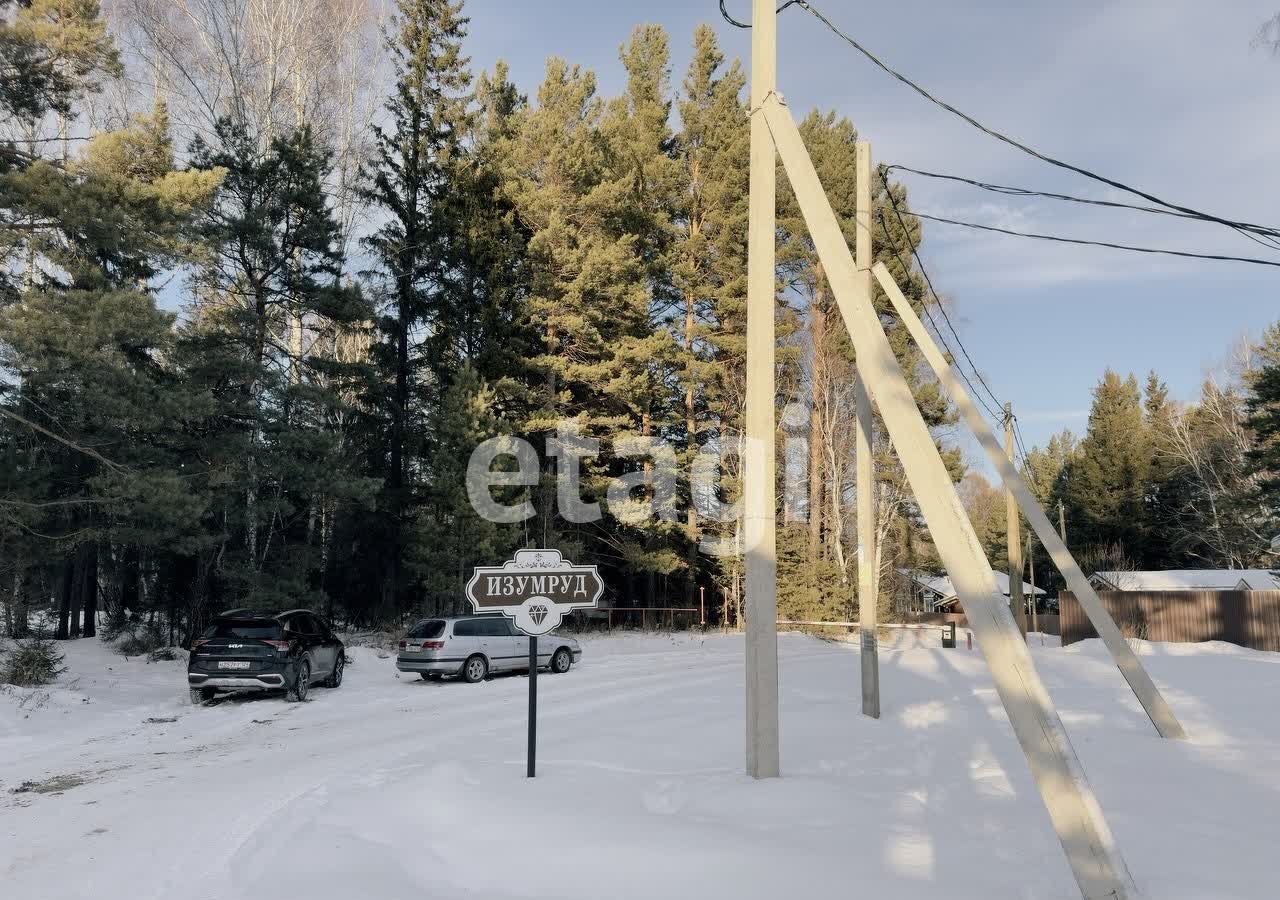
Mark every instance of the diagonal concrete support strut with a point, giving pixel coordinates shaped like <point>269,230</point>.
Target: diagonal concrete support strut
<point>1077,819</point>
<point>1143,687</point>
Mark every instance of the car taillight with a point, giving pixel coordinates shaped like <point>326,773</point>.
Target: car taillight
<point>433,645</point>
<point>279,645</point>
<point>198,644</point>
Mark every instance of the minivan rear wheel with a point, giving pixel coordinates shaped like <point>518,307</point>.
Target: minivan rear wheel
<point>301,684</point>
<point>201,696</point>
<point>475,669</point>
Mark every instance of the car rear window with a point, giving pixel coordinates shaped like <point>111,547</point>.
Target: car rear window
<point>252,629</point>
<point>432,628</point>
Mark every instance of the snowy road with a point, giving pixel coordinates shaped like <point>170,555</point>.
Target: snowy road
<point>395,788</point>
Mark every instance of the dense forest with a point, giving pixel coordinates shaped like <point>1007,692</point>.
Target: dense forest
<point>273,270</point>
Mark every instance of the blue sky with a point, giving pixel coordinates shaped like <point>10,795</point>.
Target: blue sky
<point>1166,95</point>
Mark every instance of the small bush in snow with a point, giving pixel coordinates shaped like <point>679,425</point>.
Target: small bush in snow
<point>32,662</point>
<point>143,641</point>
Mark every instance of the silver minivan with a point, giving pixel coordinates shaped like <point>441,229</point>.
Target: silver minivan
<point>474,646</point>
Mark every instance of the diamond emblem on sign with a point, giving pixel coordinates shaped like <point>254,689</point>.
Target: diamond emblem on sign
<point>538,613</point>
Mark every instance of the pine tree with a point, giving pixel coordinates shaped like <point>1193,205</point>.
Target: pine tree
<point>645,176</point>
<point>829,364</point>
<point>587,295</point>
<point>53,52</point>
<point>273,265</point>
<point>708,266</point>
<point>87,350</point>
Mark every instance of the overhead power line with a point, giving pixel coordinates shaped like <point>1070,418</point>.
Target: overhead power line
<point>915,253</point>
<point>1252,260</point>
<point>1019,145</point>
<point>736,24</point>
<point>1266,240</point>
<point>1050,195</point>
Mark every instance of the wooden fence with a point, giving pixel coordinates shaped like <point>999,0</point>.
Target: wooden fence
<point>1247,618</point>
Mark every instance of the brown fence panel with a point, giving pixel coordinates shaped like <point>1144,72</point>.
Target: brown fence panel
<point>1247,618</point>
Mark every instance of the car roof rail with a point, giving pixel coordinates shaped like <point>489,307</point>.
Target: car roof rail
<point>238,611</point>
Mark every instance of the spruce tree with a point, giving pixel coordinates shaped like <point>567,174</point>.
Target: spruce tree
<point>1107,482</point>
<point>1162,487</point>
<point>1263,405</point>
<point>413,157</point>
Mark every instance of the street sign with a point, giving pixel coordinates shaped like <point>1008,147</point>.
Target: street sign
<point>535,589</point>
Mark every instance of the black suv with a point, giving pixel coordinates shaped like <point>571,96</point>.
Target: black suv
<point>242,651</point>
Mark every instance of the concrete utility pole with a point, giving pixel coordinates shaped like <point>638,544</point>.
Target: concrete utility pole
<point>1014,536</point>
<point>868,587</point>
<point>1139,681</point>
<point>1077,819</point>
<point>760,513</point>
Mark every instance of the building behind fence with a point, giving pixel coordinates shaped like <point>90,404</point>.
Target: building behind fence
<point>1247,618</point>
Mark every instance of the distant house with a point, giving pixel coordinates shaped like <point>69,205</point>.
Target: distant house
<point>934,593</point>
<point>1188,580</point>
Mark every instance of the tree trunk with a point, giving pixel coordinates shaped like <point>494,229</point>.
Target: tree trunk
<point>11,606</point>
<point>646,430</point>
<point>80,560</point>
<point>130,582</point>
<point>64,599</point>
<point>817,328</point>
<point>90,587</point>
<point>691,451</point>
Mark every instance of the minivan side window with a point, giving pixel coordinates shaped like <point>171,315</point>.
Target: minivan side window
<point>467,628</point>
<point>495,627</point>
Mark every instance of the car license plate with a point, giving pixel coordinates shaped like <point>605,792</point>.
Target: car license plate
<point>234,664</point>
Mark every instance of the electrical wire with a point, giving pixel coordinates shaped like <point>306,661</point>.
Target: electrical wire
<point>1252,260</point>
<point>937,330</point>
<point>1266,240</point>
<point>1022,455</point>
<point>915,252</point>
<point>995,415</point>
<point>1012,142</point>
<point>736,24</point>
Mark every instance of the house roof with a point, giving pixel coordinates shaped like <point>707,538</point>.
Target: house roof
<point>941,584</point>
<point>1192,580</point>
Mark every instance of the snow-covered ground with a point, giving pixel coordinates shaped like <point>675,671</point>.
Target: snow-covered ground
<point>394,788</point>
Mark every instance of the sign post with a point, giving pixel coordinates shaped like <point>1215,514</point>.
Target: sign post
<point>534,590</point>
<point>532,754</point>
